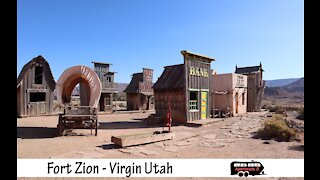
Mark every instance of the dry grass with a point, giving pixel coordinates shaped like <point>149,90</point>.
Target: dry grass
<point>276,128</point>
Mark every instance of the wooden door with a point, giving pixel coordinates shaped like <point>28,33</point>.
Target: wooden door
<point>36,108</point>
<point>204,101</point>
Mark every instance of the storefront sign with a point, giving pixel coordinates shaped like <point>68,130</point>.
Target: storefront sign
<point>240,81</point>
<point>195,71</point>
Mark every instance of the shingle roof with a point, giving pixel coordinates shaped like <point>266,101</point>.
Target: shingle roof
<point>46,71</point>
<point>173,77</point>
<point>133,87</point>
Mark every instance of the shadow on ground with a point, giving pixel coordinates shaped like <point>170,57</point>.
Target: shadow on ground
<point>109,146</point>
<point>123,125</point>
<point>36,132</point>
<point>297,148</point>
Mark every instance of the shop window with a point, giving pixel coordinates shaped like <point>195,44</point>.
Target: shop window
<point>38,75</point>
<point>193,101</point>
<point>37,96</point>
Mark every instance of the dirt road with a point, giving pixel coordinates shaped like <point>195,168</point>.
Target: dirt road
<point>229,138</point>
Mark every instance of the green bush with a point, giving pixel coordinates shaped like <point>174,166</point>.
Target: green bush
<point>276,128</point>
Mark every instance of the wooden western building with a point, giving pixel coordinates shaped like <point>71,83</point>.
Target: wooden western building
<point>109,87</point>
<point>35,86</point>
<point>229,93</point>
<point>139,91</point>
<point>185,88</point>
<point>255,86</point>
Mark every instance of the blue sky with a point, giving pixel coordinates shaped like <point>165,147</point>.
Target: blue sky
<point>151,33</point>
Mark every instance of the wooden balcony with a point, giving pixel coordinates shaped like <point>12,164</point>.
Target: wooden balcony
<point>109,87</point>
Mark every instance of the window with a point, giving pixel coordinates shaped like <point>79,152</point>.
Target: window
<point>38,75</point>
<point>193,101</point>
<point>243,94</point>
<point>37,96</point>
<point>107,101</point>
<point>109,79</point>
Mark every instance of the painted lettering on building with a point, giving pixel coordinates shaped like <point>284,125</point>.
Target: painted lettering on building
<point>201,72</point>
<point>240,81</point>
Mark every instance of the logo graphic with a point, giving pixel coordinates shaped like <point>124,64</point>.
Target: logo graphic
<point>246,168</point>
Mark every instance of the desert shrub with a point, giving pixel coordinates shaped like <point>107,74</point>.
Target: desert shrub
<point>293,108</point>
<point>276,128</point>
<point>301,114</point>
<point>277,117</point>
<point>265,106</point>
<point>273,109</point>
<point>276,109</point>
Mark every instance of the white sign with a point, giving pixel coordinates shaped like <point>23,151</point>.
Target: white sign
<point>160,167</point>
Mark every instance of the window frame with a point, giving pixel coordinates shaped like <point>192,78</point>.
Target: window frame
<point>193,103</point>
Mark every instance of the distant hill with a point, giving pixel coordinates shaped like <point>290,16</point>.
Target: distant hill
<point>296,85</point>
<point>122,86</point>
<point>76,91</point>
<point>280,82</point>
<point>292,90</point>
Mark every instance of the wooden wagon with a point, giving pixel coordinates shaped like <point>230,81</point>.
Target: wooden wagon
<point>78,117</point>
<point>85,115</point>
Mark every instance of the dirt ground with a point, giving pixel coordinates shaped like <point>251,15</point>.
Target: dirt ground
<point>228,138</point>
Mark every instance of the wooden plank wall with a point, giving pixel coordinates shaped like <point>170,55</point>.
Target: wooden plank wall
<point>27,85</point>
<point>253,84</point>
<point>177,100</point>
<point>133,101</point>
<point>196,82</point>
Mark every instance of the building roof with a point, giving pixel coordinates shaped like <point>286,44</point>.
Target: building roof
<point>96,62</point>
<point>195,55</point>
<point>110,73</point>
<point>133,87</point>
<point>171,78</point>
<point>46,71</point>
<point>248,69</point>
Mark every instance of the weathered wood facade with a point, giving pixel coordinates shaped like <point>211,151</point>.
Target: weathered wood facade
<point>256,86</point>
<point>35,86</point>
<point>109,87</point>
<point>186,88</point>
<point>139,92</point>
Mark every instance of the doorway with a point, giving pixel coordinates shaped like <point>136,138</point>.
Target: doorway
<point>204,100</point>
<point>237,102</point>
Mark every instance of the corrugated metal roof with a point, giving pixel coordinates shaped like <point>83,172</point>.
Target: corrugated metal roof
<point>46,71</point>
<point>173,77</point>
